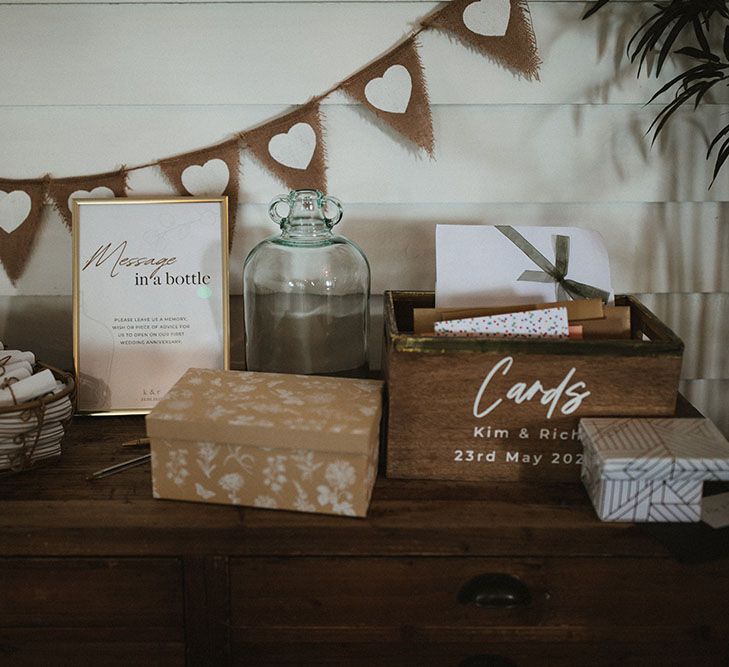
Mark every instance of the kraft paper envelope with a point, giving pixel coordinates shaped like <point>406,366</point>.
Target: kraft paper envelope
<point>615,324</point>
<point>504,265</point>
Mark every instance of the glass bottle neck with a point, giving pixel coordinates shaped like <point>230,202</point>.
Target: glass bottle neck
<point>305,230</point>
<point>306,221</point>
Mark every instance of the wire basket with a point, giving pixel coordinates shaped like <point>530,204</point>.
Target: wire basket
<point>31,432</point>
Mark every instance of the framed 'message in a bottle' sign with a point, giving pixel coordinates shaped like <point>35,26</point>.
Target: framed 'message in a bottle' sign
<point>150,297</point>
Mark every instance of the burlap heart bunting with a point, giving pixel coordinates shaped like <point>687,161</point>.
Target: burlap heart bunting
<point>292,148</point>
<point>210,172</point>
<point>394,89</point>
<point>500,29</point>
<point>21,207</point>
<point>100,186</point>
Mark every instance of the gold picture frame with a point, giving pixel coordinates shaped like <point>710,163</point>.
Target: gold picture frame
<point>157,234</point>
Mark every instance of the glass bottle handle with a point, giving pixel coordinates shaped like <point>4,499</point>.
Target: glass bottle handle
<point>336,204</point>
<point>273,213</point>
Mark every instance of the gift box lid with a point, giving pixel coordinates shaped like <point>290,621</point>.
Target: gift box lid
<point>641,448</point>
<point>270,410</point>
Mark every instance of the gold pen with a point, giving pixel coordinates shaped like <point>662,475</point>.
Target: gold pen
<point>119,467</point>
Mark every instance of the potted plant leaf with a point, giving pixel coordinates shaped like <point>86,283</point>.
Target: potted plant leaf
<point>688,28</point>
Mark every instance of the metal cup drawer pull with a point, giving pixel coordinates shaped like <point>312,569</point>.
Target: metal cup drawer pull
<point>495,590</point>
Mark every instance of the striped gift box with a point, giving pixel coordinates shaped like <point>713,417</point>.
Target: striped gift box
<point>646,469</point>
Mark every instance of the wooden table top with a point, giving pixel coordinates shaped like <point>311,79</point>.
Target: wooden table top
<point>55,511</point>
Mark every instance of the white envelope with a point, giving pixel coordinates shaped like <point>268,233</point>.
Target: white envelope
<point>478,265</point>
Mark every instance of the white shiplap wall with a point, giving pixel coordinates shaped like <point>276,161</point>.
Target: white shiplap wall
<point>87,86</point>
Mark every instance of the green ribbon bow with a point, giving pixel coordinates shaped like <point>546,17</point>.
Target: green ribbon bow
<point>565,288</point>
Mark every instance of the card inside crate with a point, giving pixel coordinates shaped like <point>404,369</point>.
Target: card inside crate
<point>648,332</point>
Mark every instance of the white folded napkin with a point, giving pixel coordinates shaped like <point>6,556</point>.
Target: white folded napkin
<point>13,356</point>
<point>29,388</point>
<point>17,371</point>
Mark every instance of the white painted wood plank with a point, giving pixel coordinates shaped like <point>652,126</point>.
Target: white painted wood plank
<point>653,247</point>
<point>711,397</point>
<point>41,324</point>
<point>44,324</point>
<point>483,154</point>
<point>281,53</point>
<point>702,321</point>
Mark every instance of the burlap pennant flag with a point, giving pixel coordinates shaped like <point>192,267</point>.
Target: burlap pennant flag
<point>394,89</point>
<point>501,29</point>
<point>21,208</point>
<point>100,186</point>
<point>210,172</point>
<point>292,148</point>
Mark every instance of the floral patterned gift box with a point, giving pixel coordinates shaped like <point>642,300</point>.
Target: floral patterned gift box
<point>292,442</point>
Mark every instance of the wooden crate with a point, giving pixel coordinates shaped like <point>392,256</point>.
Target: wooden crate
<point>475,408</point>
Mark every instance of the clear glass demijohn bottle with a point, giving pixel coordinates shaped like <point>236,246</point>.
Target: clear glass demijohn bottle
<point>306,292</point>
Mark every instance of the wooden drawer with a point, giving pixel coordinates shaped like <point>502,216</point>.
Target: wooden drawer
<point>80,611</point>
<point>380,600</point>
<point>421,654</point>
